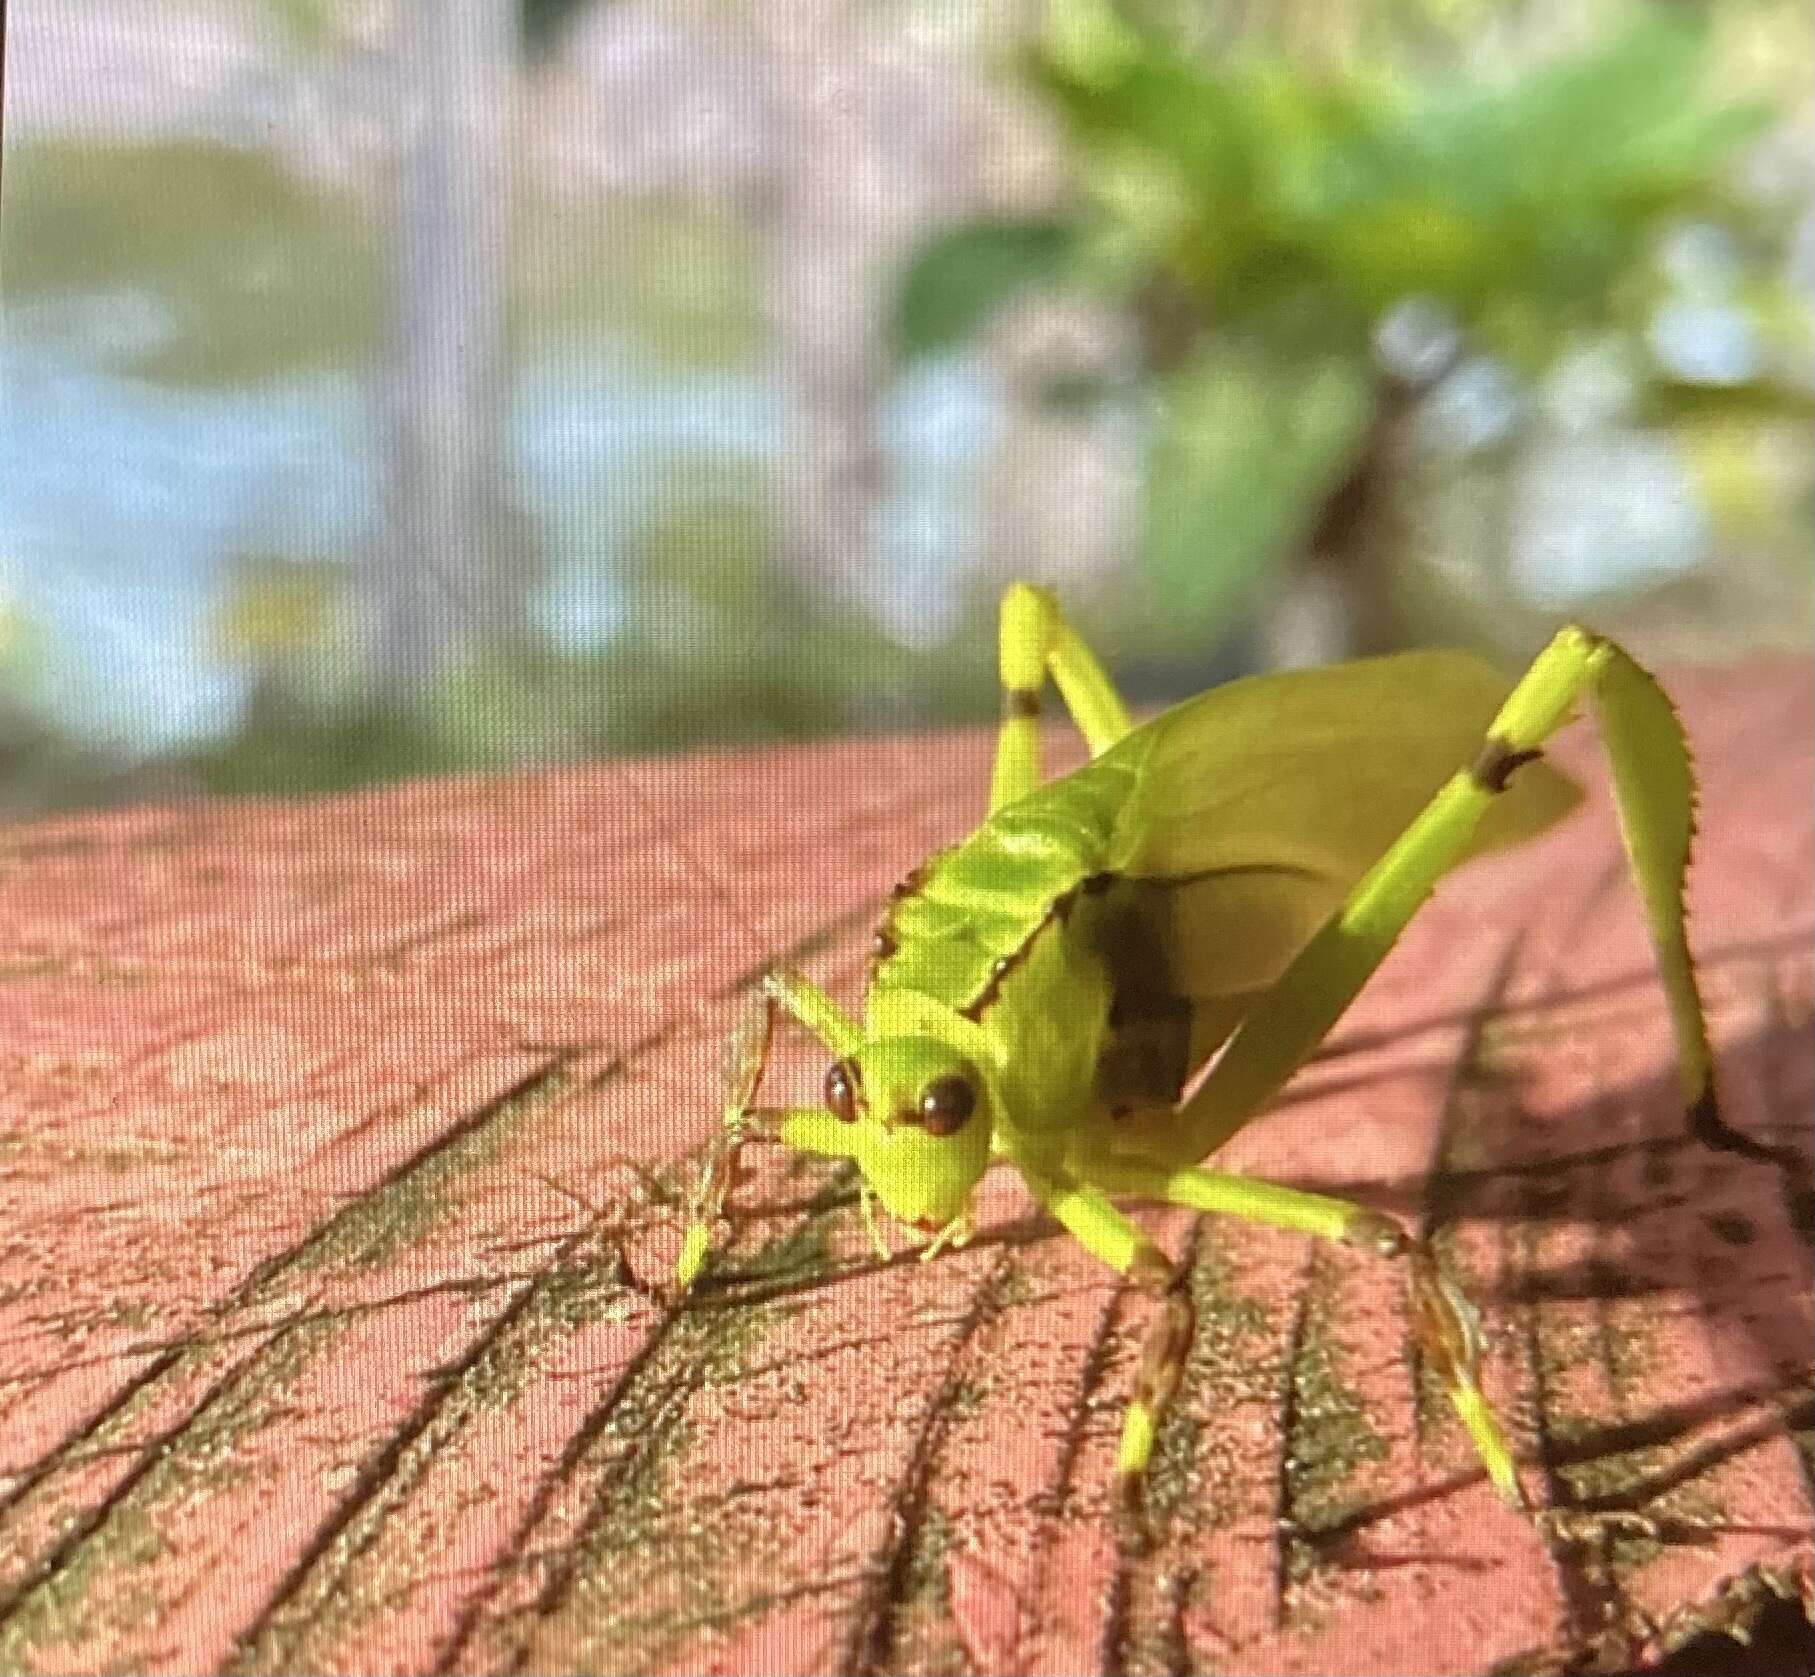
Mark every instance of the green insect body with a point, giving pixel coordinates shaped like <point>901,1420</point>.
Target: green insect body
<point>1210,890</point>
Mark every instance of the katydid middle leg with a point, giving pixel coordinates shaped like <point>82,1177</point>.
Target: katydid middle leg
<point>1120,1242</point>
<point>1447,1327</point>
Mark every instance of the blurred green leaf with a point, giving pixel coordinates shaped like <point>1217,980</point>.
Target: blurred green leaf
<point>1722,453</point>
<point>1678,401</point>
<point>271,608</point>
<point>27,649</point>
<point>248,273</point>
<point>312,25</point>
<point>678,283</point>
<point>960,278</point>
<point>1090,42</point>
<point>1254,176</point>
<point>541,23</point>
<point>1246,451</point>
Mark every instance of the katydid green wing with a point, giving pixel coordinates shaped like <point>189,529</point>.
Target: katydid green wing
<point>1245,816</point>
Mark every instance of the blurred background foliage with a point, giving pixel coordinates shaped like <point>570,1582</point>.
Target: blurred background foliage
<point>591,377</point>
<point>1313,251</point>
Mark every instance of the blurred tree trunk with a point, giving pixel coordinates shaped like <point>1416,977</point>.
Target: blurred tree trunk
<point>1339,594</point>
<point>876,142</point>
<point>833,207</point>
<point>451,572</point>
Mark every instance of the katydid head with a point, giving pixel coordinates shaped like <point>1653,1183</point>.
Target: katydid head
<point>919,1124</point>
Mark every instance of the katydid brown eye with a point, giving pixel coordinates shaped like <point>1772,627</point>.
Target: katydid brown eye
<point>841,1090</point>
<point>945,1104</point>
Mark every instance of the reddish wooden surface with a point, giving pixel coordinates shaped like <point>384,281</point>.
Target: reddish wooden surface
<point>325,1125</point>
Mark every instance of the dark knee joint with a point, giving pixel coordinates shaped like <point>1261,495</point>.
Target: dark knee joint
<point>1163,1359</point>
<point>1497,762</point>
<point>1709,1126</point>
<point>1169,1337</point>
<point>1374,1232</point>
<point>1150,1270</point>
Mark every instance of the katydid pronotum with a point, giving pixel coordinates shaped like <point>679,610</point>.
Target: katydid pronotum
<point>1210,890</point>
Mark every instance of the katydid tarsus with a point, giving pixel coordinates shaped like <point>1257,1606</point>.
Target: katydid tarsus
<point>1118,968</point>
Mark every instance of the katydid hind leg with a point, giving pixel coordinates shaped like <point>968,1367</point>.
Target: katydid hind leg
<point>1654,785</point>
<point>1036,640</point>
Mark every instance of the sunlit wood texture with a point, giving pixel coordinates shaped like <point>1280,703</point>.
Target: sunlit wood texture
<point>325,1124</point>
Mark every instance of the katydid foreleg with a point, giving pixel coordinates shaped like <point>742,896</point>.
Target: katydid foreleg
<point>747,1058</point>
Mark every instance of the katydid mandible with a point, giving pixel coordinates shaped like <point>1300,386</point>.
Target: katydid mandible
<point>1216,884</point>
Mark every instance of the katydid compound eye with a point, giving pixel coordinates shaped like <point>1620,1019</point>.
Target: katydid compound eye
<point>841,1091</point>
<point>945,1103</point>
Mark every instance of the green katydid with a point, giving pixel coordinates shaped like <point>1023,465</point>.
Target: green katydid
<point>1211,889</point>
